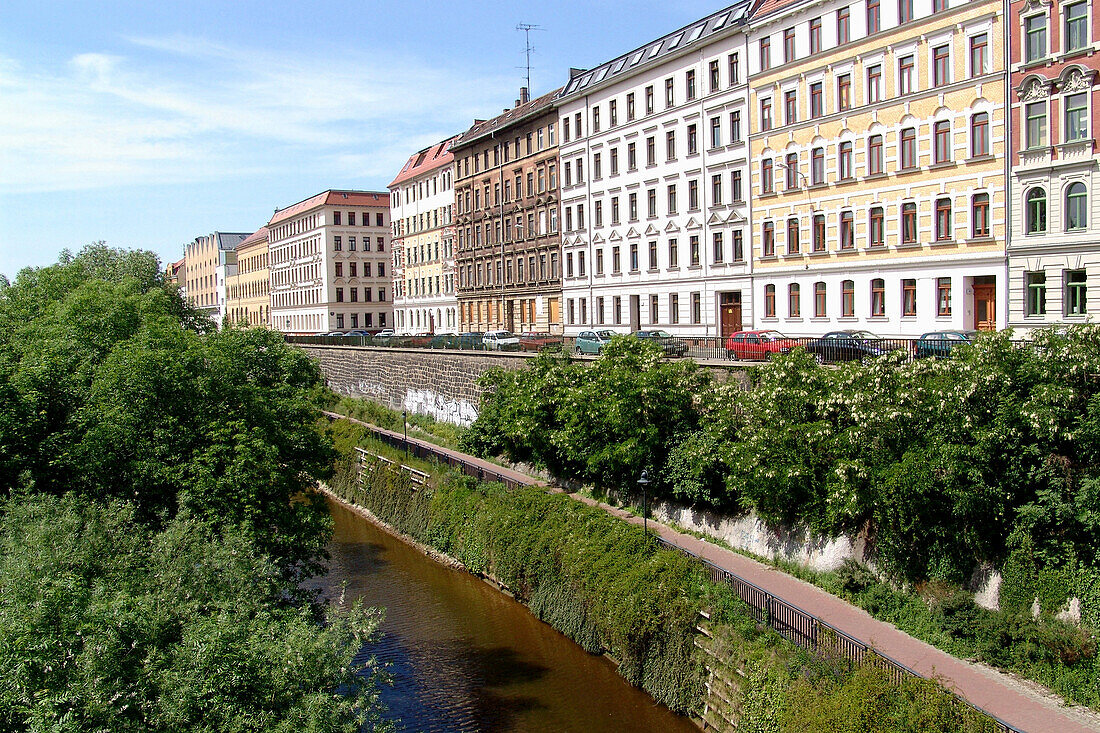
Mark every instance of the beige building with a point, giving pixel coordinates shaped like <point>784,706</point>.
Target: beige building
<point>209,261</point>
<point>878,141</point>
<point>422,208</point>
<point>329,260</point>
<point>248,293</point>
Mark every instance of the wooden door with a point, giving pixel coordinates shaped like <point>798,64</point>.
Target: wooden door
<point>635,312</point>
<point>985,307</point>
<point>729,305</point>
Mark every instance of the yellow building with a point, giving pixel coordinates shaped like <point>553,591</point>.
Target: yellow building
<point>248,293</point>
<point>878,139</point>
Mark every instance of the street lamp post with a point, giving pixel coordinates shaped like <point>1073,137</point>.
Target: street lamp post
<point>643,481</point>
<point>405,422</point>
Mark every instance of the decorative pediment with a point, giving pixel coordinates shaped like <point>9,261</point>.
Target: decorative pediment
<point>692,224</point>
<point>597,239</point>
<point>671,227</point>
<point>735,217</point>
<point>652,231</point>
<point>633,233</point>
<point>1034,5</point>
<point>579,239</point>
<point>566,241</point>
<point>1075,79</point>
<point>615,236</point>
<point>716,218</point>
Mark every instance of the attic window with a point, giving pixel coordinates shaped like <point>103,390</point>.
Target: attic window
<point>618,66</point>
<point>602,74</point>
<point>636,59</point>
<point>721,21</point>
<point>654,51</point>
<point>676,41</point>
<point>696,33</point>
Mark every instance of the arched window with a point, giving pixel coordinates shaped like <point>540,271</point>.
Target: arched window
<point>1036,211</point>
<point>1076,207</point>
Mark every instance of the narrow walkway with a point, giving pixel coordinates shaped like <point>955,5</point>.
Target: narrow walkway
<point>1008,699</point>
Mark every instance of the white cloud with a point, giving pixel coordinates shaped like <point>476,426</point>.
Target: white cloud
<point>188,110</point>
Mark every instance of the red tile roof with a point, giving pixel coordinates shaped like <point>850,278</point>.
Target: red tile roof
<point>260,235</point>
<point>380,199</point>
<point>512,116</point>
<point>428,159</point>
<point>764,7</point>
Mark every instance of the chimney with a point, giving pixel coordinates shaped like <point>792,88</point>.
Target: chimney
<point>524,96</point>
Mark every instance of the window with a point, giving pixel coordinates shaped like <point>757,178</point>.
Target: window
<point>1036,113</point>
<point>693,250</point>
<point>670,93</point>
<point>848,299</point>
<point>844,92</point>
<point>673,255</point>
<point>1077,30</point>
<point>765,53</point>
<point>909,223</point>
<point>905,74</point>
<point>788,45</point>
<point>815,35</point>
<point>674,308</point>
<point>631,157</point>
<point>817,107</point>
<point>651,151</point>
<point>942,139</point>
<point>336,218</point>
<point>767,181</point>
<point>766,114</point>
<point>878,298</point>
<point>653,254</point>
<point>790,107</point>
<point>817,166</point>
<point>1076,294</point>
<point>716,189</point>
<point>769,239</point>
<point>735,68</point>
<point>845,160</point>
<point>908,148</point>
<point>670,145</point>
<point>596,119</point>
<point>874,83</point>
<point>794,301</point>
<point>738,246</point>
<point>693,139</point>
<point>905,11</point>
<point>634,264</point>
<point>689,82</point>
<point>1036,211</point>
<point>714,76</point>
<point>847,230</point>
<point>693,195</point>
<point>941,65</point>
<point>719,249</point>
<point>1035,32</point>
<point>979,214</point>
<point>792,236</point>
<point>1035,294</point>
<point>672,198</point>
<point>715,132</point>
<point>649,100</point>
<point>979,134</point>
<point>735,126</point>
<point>979,47</point>
<point>612,113</point>
<point>735,184</point>
<point>819,300</point>
<point>614,166</point>
<point>843,26</point>
<point>943,219</point>
<point>632,212</point>
<point>651,203</point>
<point>1077,124</point>
<point>874,155</point>
<point>874,17</point>
<point>791,166</point>
<point>819,233</point>
<point>1076,211</point>
<point>597,168</point>
<point>769,301</point>
<point>630,107</point>
<point>339,295</point>
<point>877,226</point>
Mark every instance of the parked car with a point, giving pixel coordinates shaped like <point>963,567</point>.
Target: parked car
<point>385,333</point>
<point>753,345</point>
<point>847,346</point>
<point>501,341</point>
<point>333,333</point>
<point>671,345</point>
<point>592,342</point>
<point>418,340</point>
<point>444,340</point>
<point>469,340</point>
<point>538,340</point>
<point>356,332</point>
<point>941,343</point>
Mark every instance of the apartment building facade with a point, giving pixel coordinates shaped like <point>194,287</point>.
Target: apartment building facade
<point>422,200</point>
<point>209,260</point>
<point>248,292</point>
<point>1054,248</point>
<point>878,140</point>
<point>508,243</point>
<point>329,260</point>
<point>655,204</point>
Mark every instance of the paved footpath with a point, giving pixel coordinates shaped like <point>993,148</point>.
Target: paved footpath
<point>1014,702</point>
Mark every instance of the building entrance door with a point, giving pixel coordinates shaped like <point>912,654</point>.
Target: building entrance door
<point>635,312</point>
<point>985,305</point>
<point>509,315</point>
<point>729,307</point>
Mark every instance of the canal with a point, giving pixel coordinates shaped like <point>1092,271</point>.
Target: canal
<point>465,657</point>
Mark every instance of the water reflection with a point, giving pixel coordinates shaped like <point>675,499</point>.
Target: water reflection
<point>466,658</point>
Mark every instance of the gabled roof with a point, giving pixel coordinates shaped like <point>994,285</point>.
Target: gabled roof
<point>693,34</point>
<point>260,235</point>
<point>510,117</point>
<point>770,6</point>
<point>428,159</point>
<point>332,198</point>
<point>230,240</point>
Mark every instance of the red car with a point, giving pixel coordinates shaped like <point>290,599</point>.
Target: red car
<point>756,345</point>
<point>538,340</point>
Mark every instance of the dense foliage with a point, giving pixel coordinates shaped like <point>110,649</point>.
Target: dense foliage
<point>157,515</point>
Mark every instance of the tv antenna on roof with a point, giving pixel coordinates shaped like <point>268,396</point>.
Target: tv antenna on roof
<point>527,28</point>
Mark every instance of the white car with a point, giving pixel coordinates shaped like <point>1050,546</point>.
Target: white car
<point>385,333</point>
<point>500,341</point>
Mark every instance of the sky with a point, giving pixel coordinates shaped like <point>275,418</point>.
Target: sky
<point>147,124</point>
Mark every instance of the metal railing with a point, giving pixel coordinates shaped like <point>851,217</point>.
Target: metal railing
<point>788,620</point>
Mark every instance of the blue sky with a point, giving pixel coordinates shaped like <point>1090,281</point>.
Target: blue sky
<point>146,124</point>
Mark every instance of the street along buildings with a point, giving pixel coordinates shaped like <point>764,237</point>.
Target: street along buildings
<point>878,142</point>
<point>655,197</point>
<point>1054,250</point>
<point>506,220</point>
<point>329,256</point>
<point>422,214</point>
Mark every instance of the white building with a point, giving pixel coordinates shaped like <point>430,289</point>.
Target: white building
<point>329,256</point>
<point>225,269</point>
<point>422,204</point>
<point>655,185</point>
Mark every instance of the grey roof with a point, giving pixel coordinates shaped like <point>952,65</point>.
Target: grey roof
<point>230,240</point>
<point>693,34</point>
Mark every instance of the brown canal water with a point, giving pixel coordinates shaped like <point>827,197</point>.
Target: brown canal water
<point>465,657</point>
